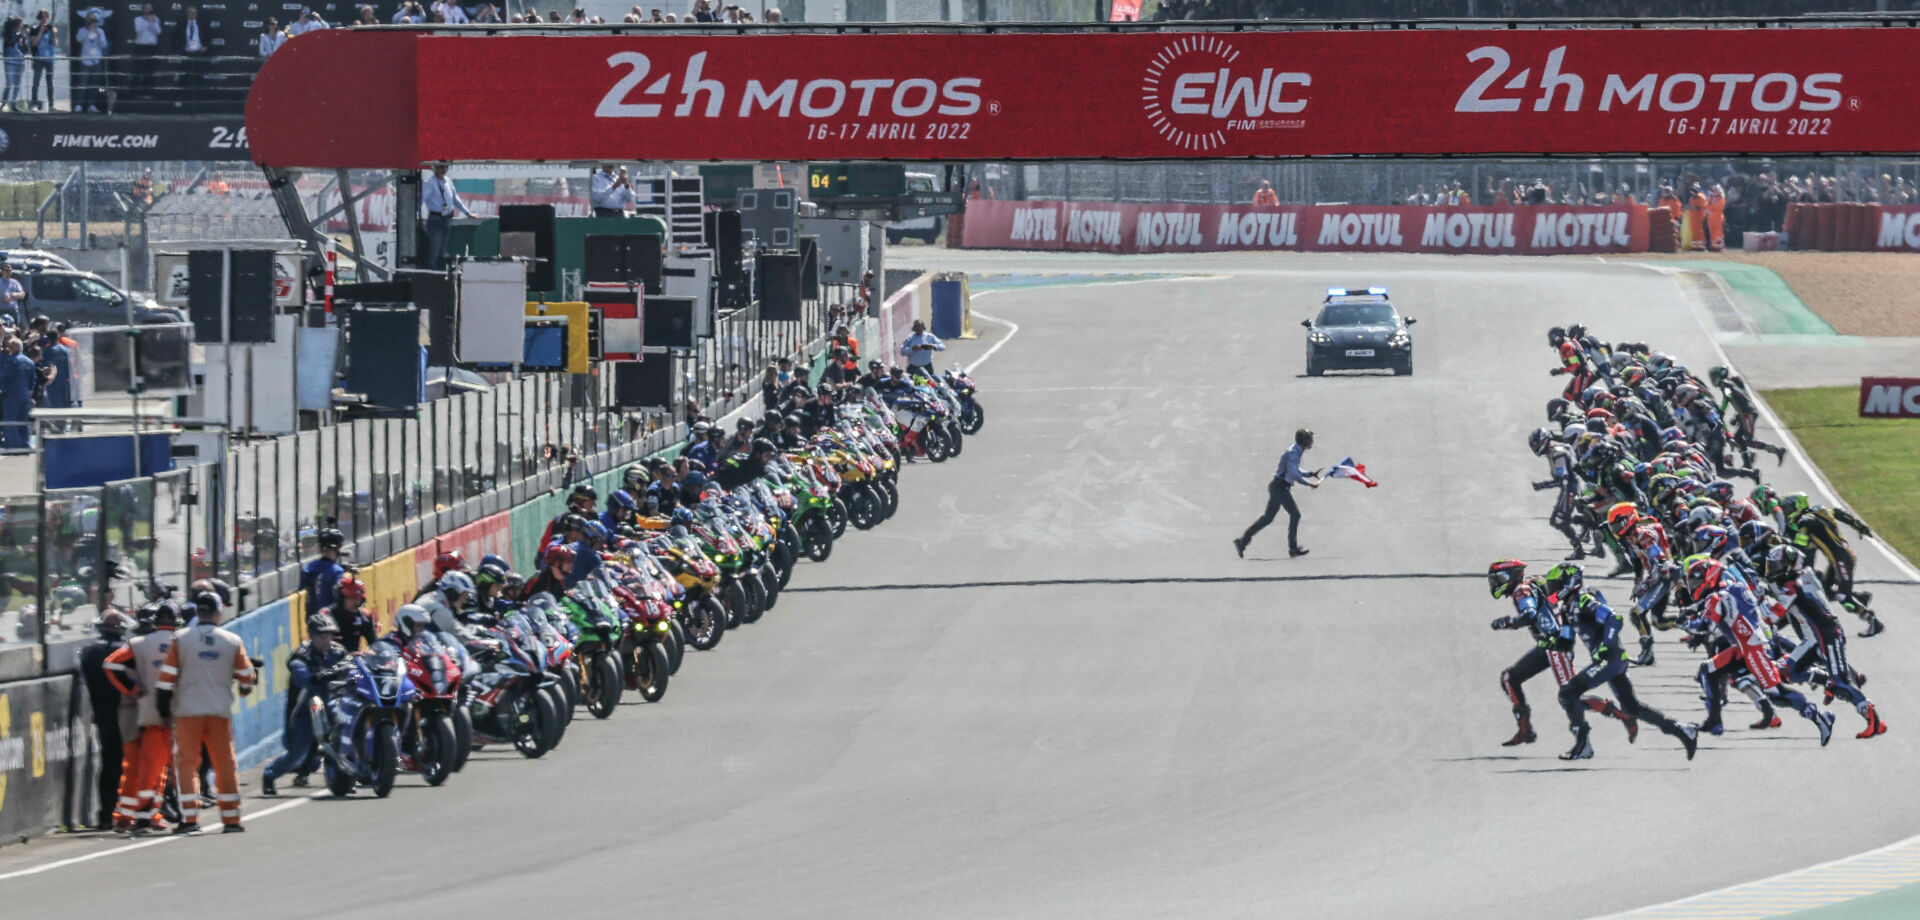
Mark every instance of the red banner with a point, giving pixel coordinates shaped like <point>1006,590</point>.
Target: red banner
<point>1897,228</point>
<point>1106,227</point>
<point>1889,397</point>
<point>1130,95</point>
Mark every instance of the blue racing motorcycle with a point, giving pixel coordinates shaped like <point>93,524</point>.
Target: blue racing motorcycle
<point>358,728</point>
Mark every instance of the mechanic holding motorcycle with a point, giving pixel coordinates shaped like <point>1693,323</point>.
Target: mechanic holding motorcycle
<point>307,671</point>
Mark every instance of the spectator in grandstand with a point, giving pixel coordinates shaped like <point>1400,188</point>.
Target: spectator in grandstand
<point>578,17</point>
<point>271,37</point>
<point>218,185</point>
<point>773,14</point>
<point>653,15</point>
<point>454,14</point>
<point>553,16</point>
<point>488,13</point>
<point>671,19</point>
<point>441,200</point>
<point>310,21</point>
<point>91,80</point>
<point>633,19</point>
<point>409,13</point>
<point>46,46</point>
<point>191,43</point>
<point>146,46</point>
<point>141,189</point>
<point>1419,197</point>
<point>365,16</point>
<point>611,192</point>
<point>703,11</point>
<point>14,48</point>
<point>1265,196</point>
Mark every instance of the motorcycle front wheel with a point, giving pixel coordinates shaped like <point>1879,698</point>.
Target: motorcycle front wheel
<point>756,596</point>
<point>784,556</point>
<point>734,598</point>
<point>935,441</point>
<point>563,713</point>
<point>973,418</point>
<point>819,537</point>
<point>437,746</point>
<point>653,673</point>
<point>837,517</point>
<point>677,651</point>
<point>954,438</point>
<point>709,624</point>
<point>604,686</point>
<point>339,781</point>
<point>386,758</point>
<point>863,509</point>
<point>890,494</point>
<point>530,734</point>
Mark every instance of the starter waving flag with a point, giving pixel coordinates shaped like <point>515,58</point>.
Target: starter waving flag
<point>1347,469</point>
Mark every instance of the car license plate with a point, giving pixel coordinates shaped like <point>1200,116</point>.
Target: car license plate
<point>1359,352</point>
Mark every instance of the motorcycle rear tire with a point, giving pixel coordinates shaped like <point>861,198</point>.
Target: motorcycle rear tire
<point>530,737</point>
<point>709,624</point>
<point>386,758</point>
<point>604,686</point>
<point>891,493</point>
<point>756,596</point>
<point>339,781</point>
<point>819,537</point>
<point>864,510</point>
<point>653,673</point>
<point>935,442</point>
<point>677,648</point>
<point>972,418</point>
<point>837,517</point>
<point>462,736</point>
<point>734,598</point>
<point>770,580</point>
<point>438,743</point>
<point>570,692</point>
<point>558,698</point>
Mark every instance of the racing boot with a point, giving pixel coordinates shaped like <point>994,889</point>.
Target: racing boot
<point>1768,718</point>
<point>1779,455</point>
<point>1645,658</point>
<point>1579,553</point>
<point>1874,725</point>
<point>1821,720</point>
<point>1874,626</point>
<point>1866,597</point>
<point>1712,725</point>
<point>1524,733</point>
<point>267,787</point>
<point>1582,748</point>
<point>1606,708</point>
<point>1690,739</point>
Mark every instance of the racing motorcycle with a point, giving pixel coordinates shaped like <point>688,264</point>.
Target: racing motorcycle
<point>509,699</point>
<point>972,414</point>
<point>358,728</point>
<point>430,742</point>
<point>600,631</point>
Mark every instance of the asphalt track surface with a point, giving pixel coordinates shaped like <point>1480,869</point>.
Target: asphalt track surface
<point>1058,693</point>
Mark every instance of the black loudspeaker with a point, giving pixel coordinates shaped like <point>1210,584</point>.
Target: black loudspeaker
<point>251,296</point>
<point>625,259</point>
<point>383,355</point>
<point>729,261</point>
<point>809,268</point>
<point>644,384</point>
<point>204,268</point>
<point>667,322</point>
<point>435,293</point>
<point>536,219</point>
<point>709,229</point>
<point>779,277</point>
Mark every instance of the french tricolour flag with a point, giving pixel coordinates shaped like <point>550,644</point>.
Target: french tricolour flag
<point>1347,469</point>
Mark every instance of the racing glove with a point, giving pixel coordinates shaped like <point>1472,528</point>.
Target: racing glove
<point>1503,623</point>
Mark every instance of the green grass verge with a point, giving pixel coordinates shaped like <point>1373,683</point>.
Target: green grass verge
<point>1875,463</point>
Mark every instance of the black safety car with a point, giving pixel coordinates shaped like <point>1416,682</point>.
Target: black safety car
<point>1359,329</point>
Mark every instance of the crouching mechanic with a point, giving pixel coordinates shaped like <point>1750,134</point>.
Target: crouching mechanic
<point>313,658</point>
<point>1534,613</point>
<point>1598,626</point>
<point>196,691</point>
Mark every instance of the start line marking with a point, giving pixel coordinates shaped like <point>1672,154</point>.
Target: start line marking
<point>1895,865</point>
<point>128,848</point>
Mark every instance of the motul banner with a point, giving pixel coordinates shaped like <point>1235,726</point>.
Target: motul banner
<point>1107,227</point>
<point>1889,397</point>
<point>1897,226</point>
<point>391,97</point>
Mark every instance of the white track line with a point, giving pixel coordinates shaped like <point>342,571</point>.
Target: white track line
<point>115,851</point>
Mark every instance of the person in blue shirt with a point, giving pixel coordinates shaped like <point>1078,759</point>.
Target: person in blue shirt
<point>1280,495</point>
<point>919,348</point>
<point>440,200</point>
<point>319,578</point>
<point>54,358</point>
<point>706,445</point>
<point>18,375</point>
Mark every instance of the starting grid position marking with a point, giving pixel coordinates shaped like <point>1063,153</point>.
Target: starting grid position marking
<point>1893,866</point>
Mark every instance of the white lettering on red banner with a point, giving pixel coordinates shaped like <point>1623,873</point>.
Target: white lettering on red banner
<point>1889,397</point>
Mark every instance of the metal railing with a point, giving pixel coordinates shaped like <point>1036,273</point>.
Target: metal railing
<point>129,84</point>
<point>389,483</point>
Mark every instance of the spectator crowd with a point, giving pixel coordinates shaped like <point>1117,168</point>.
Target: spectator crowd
<point>1501,9</point>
